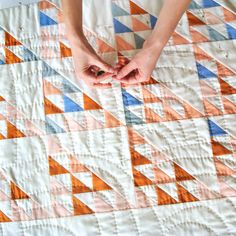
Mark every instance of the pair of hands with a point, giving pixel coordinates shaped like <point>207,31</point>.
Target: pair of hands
<point>88,65</point>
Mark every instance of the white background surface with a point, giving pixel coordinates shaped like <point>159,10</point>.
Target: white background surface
<point>11,3</point>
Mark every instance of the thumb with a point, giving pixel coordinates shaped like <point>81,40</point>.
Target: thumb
<point>125,70</point>
<point>104,66</point>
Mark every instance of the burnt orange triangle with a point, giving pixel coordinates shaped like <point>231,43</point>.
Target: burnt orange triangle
<point>134,137</point>
<point>151,116</point>
<point>150,81</point>
<point>181,174</point>
<point>161,176</point>
<point>193,20</point>
<point>103,46</point>
<point>226,89</point>
<point>50,108</point>
<point>223,71</point>
<point>138,159</point>
<point>122,45</point>
<point>99,184</point>
<point>1,99</point>
<point>11,58</point>
<point>140,179</point>
<point>13,132</point>
<point>184,195</point>
<point>4,218</point>
<point>218,149</point>
<point>200,54</point>
<point>90,104</point>
<point>198,37</point>
<point>164,198</point>
<point>228,15</point>
<point>222,169</point>
<point>78,186</point>
<point>111,121</point>
<point>179,39</point>
<point>49,89</point>
<point>172,114</point>
<point>149,97</point>
<point>80,208</point>
<point>55,168</point>
<point>10,40</point>
<point>1,137</point>
<point>138,25</point>
<point>17,193</point>
<point>230,108</point>
<point>135,9</point>
<point>65,51</point>
<point>210,109</point>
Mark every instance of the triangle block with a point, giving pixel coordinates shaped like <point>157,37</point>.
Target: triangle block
<point>118,11</point>
<point>50,108</point>
<point>138,159</point>
<point>11,58</point>
<point>226,89</point>
<point>140,179</point>
<point>204,73</point>
<point>71,106</point>
<point>215,130</point>
<point>164,198</point>
<point>10,40</point>
<point>181,174</point>
<point>218,149</point>
<point>13,132</point>
<point>99,184</point>
<point>129,100</point>
<point>120,28</point>
<point>138,25</point>
<point>135,9</point>
<point>4,218</point>
<point>90,104</point>
<point>184,195</point>
<point>65,51</point>
<point>55,168</point>
<point>46,20</point>
<point>17,193</point>
<point>80,208</point>
<point>78,186</point>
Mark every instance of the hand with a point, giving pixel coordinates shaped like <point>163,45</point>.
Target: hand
<point>140,68</point>
<point>88,65</point>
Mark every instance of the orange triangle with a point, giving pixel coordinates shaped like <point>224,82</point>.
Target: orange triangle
<point>222,169</point>
<point>11,58</point>
<point>135,9</point>
<point>197,37</point>
<point>134,137</point>
<point>1,137</point>
<point>122,45</point>
<point>99,184</point>
<point>210,109</point>
<point>226,89</point>
<point>184,195</point>
<point>218,149</point>
<point>150,81</point>
<point>50,108</point>
<point>49,89</point>
<point>138,159</point>
<point>164,198</point>
<point>161,176</point>
<point>228,15</point>
<point>151,116</point>
<point>148,97</point>
<point>13,132</point>
<point>103,46</point>
<point>172,114</point>
<point>223,71</point>
<point>78,186</point>
<point>80,208</point>
<point>45,5</point>
<point>178,39</point>
<point>1,99</point>
<point>55,168</point>
<point>65,51</point>
<point>4,218</point>
<point>191,112</point>
<point>10,40</point>
<point>200,54</point>
<point>193,20</point>
<point>111,121</point>
<point>138,25</point>
<point>17,193</point>
<point>140,179</point>
<point>181,174</point>
<point>90,104</point>
<point>230,108</point>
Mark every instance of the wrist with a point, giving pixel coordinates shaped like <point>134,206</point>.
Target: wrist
<point>153,43</point>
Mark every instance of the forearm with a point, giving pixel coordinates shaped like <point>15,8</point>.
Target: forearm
<point>169,17</point>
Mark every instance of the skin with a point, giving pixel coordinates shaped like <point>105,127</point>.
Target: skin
<point>139,69</point>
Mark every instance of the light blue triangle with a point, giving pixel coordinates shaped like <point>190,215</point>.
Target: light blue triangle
<point>2,62</point>
<point>48,71</point>
<point>71,106</point>
<point>46,20</point>
<point>214,35</point>
<point>231,31</point>
<point>69,87</point>
<point>210,3</point>
<point>214,129</point>
<point>129,100</point>
<point>194,5</point>
<point>204,73</point>
<point>120,28</point>
<point>29,56</point>
<point>52,127</point>
<point>132,119</point>
<point>117,11</point>
<point>138,41</point>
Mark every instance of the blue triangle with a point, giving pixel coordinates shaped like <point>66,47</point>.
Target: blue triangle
<point>214,35</point>
<point>132,119</point>
<point>117,11</point>
<point>215,129</point>
<point>69,87</point>
<point>204,73</point>
<point>52,127</point>
<point>153,21</point>
<point>210,3</point>
<point>231,31</point>
<point>46,20</point>
<point>138,41</point>
<point>71,106</point>
<point>2,62</point>
<point>29,56</point>
<point>120,28</point>
<point>48,71</point>
<point>129,100</point>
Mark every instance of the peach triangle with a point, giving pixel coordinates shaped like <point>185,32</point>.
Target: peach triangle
<point>191,112</point>
<point>4,218</point>
<point>200,54</point>
<point>49,89</point>
<point>211,19</point>
<point>164,198</point>
<point>223,71</point>
<point>103,46</point>
<point>226,89</point>
<point>99,184</point>
<point>134,137</point>
<point>222,169</point>
<point>10,40</point>
<point>50,108</point>
<point>184,195</point>
<point>45,5</point>
<point>138,25</point>
<point>138,159</point>
<point>206,89</point>
<point>90,104</point>
<point>122,45</point>
<point>228,15</point>
<point>111,121</point>
<point>148,97</point>
<point>55,168</point>
<point>197,37</point>
<point>161,176</point>
<point>218,149</point>
<point>179,39</point>
<point>78,186</point>
<point>13,132</point>
<point>65,51</point>
<point>17,193</point>
<point>193,20</point>
<point>181,174</point>
<point>230,108</point>
<point>80,208</point>
<point>151,116</point>
<point>76,166</point>
<point>135,9</point>
<point>11,58</point>
<point>211,109</point>
<point>172,114</point>
<point>140,179</point>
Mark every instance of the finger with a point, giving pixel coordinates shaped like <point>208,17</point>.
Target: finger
<point>99,85</point>
<point>92,78</point>
<point>125,70</point>
<point>104,66</point>
<point>132,78</point>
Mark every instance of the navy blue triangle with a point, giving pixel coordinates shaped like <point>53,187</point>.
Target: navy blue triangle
<point>117,11</point>
<point>215,129</point>
<point>210,3</point>
<point>204,73</point>
<point>129,100</point>
<point>46,20</point>
<point>132,119</point>
<point>71,106</point>
<point>120,28</point>
<point>153,21</point>
<point>52,127</point>
<point>48,71</point>
<point>231,31</point>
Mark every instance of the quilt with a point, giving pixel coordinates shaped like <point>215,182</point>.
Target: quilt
<point>157,158</point>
